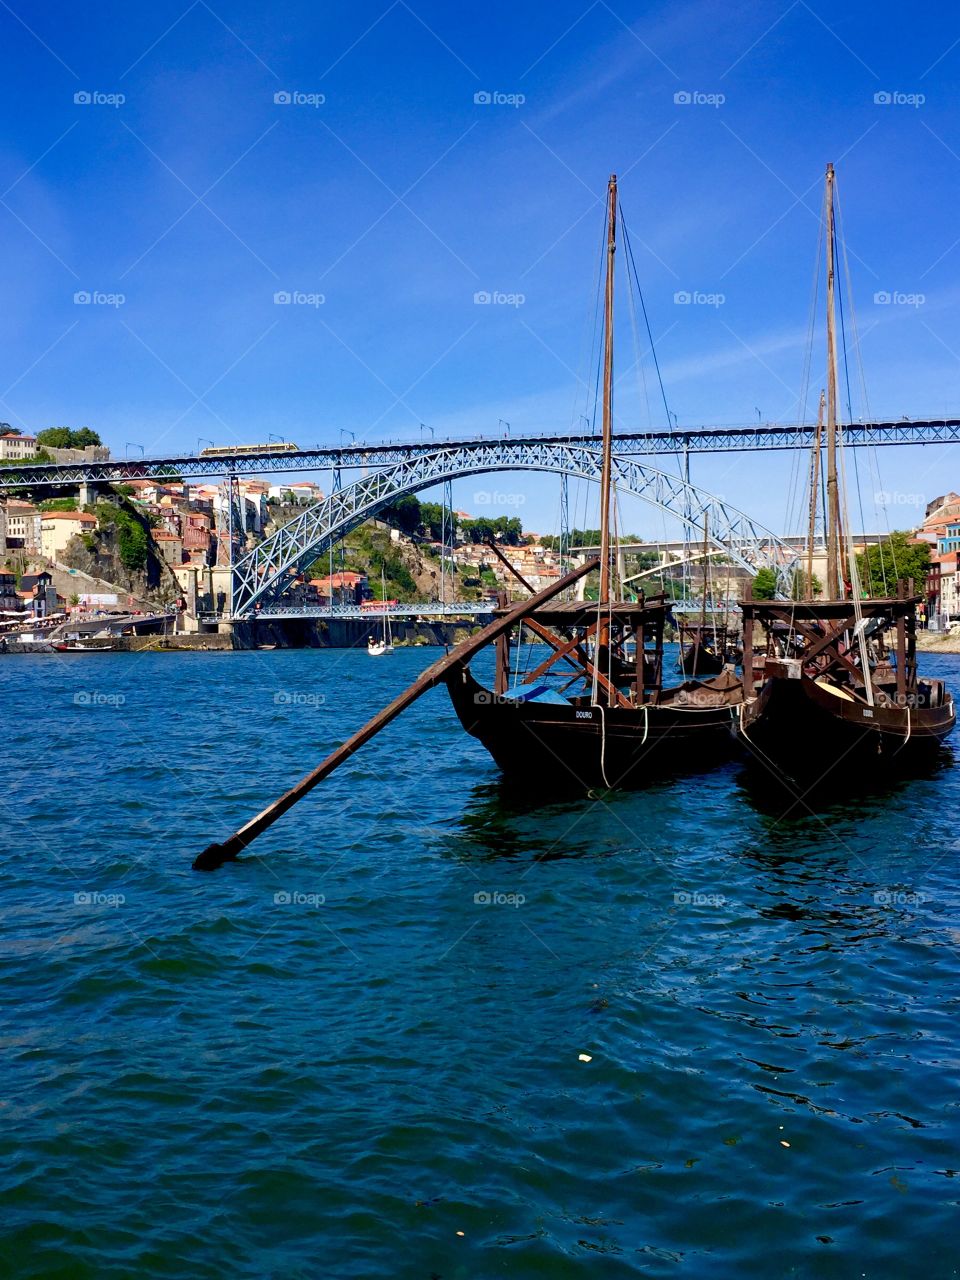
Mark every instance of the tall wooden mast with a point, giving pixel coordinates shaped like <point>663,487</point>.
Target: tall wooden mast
<point>607,401</point>
<point>833,494</point>
<point>814,485</point>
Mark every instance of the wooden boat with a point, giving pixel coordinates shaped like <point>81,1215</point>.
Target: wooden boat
<point>610,735</point>
<point>835,688</point>
<point>703,650</point>
<point>621,726</point>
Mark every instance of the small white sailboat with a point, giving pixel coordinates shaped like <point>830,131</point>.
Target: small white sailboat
<point>378,646</point>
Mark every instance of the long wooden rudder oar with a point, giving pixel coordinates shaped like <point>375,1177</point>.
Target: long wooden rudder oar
<point>215,855</point>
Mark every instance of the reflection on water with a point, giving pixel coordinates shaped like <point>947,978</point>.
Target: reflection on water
<point>673,1028</point>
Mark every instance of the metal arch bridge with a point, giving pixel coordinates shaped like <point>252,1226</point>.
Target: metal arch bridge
<point>264,461</point>
<point>262,575</point>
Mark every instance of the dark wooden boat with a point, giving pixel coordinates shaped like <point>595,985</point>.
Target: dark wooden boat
<point>620,726</point>
<point>703,651</point>
<point>705,647</point>
<point>835,690</point>
<point>612,734</point>
<point>813,708</point>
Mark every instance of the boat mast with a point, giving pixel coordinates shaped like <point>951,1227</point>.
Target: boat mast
<point>706,580</point>
<point>814,485</point>
<point>833,494</point>
<point>603,633</point>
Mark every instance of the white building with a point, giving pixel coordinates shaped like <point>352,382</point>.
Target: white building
<point>302,492</point>
<point>58,527</point>
<point>16,447</point>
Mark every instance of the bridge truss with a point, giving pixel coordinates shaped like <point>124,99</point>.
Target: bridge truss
<point>684,440</point>
<point>265,573</point>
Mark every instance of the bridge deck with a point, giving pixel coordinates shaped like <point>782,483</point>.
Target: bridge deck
<point>386,453</point>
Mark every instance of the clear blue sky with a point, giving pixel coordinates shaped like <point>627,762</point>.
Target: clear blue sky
<point>400,197</point>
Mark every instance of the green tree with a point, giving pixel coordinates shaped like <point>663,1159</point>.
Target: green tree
<point>897,556</point>
<point>479,529</point>
<point>55,437</point>
<point>132,539</point>
<point>431,520</point>
<point>405,514</point>
<point>798,587</point>
<point>765,585</point>
<point>65,438</point>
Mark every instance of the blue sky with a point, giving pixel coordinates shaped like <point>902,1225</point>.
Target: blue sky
<point>399,197</point>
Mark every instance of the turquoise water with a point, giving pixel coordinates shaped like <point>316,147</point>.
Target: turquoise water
<point>332,1059</point>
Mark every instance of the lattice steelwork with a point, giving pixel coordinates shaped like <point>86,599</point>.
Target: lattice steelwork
<point>385,454</point>
<point>267,571</point>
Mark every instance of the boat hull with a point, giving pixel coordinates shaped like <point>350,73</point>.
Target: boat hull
<point>590,745</point>
<point>698,660</point>
<point>810,732</point>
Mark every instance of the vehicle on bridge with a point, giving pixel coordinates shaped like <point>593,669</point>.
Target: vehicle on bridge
<point>249,450</point>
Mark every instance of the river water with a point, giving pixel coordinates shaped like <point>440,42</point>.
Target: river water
<point>359,1053</point>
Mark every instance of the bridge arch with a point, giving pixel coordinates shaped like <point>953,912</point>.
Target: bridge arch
<point>264,573</point>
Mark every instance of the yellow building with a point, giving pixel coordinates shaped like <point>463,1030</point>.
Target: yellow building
<point>58,527</point>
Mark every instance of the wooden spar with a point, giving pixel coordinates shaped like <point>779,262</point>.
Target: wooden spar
<point>215,855</point>
<point>605,472</point>
<point>833,494</point>
<point>747,663</point>
<point>901,649</point>
<point>501,676</point>
<point>814,486</point>
<point>703,606</point>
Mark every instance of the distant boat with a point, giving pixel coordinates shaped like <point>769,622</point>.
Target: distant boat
<point>378,646</point>
<point>704,649</point>
<point>75,646</point>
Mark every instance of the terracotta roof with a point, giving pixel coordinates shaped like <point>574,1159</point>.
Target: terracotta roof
<point>346,579</point>
<point>83,516</point>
